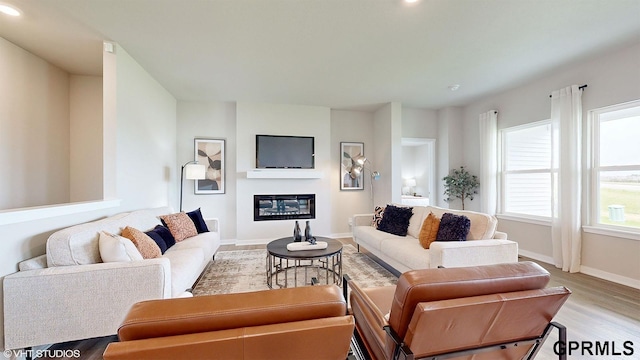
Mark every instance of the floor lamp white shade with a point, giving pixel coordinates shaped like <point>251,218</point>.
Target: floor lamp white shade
<point>191,171</point>
<point>194,172</point>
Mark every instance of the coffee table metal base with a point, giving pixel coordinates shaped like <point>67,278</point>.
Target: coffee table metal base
<point>284,266</point>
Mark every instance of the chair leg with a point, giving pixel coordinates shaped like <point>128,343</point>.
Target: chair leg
<point>562,339</point>
<point>345,289</point>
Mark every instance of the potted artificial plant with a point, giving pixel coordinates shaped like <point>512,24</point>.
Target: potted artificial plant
<point>460,184</point>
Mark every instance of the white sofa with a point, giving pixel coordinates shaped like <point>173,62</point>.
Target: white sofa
<point>70,294</point>
<point>484,245</point>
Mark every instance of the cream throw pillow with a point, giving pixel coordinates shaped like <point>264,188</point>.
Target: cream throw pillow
<point>114,248</point>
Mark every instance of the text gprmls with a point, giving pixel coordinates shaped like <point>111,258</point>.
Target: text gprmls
<point>594,348</point>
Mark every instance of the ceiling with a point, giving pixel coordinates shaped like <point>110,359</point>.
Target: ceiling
<point>343,54</point>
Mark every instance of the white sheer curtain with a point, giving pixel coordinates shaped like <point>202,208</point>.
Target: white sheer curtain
<point>566,119</point>
<point>489,161</point>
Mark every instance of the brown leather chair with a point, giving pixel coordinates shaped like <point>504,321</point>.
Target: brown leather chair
<point>299,323</point>
<point>485,312</point>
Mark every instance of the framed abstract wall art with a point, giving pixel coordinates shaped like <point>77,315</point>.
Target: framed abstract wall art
<point>348,151</point>
<point>210,153</point>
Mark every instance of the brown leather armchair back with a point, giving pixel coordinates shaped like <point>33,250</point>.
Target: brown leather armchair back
<point>479,321</point>
<point>432,312</point>
<point>441,284</point>
<point>284,324</point>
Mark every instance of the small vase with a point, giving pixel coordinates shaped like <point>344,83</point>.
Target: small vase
<point>307,234</point>
<point>297,237</point>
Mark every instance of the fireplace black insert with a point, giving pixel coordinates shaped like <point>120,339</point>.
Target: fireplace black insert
<point>284,207</point>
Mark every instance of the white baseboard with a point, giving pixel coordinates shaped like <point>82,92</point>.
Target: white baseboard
<point>619,279</point>
<point>252,242</point>
<point>266,241</point>
<point>536,256</point>
<point>610,277</point>
<point>228,241</point>
<point>341,235</point>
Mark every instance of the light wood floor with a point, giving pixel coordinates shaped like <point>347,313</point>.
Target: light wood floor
<point>597,310</point>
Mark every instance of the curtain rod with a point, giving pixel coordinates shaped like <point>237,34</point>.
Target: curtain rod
<point>579,87</point>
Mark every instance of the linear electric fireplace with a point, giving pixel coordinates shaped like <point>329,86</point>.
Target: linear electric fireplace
<point>284,207</point>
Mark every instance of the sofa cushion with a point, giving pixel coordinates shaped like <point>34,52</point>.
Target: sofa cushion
<point>186,266</point>
<point>370,237</point>
<point>114,248</point>
<point>205,241</point>
<point>147,247</point>
<point>429,230</point>
<point>453,227</point>
<point>180,225</point>
<point>483,226</point>
<point>395,220</point>
<point>407,251</point>
<point>78,245</point>
<point>198,221</point>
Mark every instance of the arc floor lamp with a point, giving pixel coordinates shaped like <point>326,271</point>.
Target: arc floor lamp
<point>357,167</point>
<point>191,171</point>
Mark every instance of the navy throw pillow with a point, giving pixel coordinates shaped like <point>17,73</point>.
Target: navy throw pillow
<point>395,220</point>
<point>453,228</point>
<point>198,221</point>
<point>153,234</point>
<point>166,235</point>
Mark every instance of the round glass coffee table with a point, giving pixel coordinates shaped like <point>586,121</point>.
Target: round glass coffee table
<point>282,264</point>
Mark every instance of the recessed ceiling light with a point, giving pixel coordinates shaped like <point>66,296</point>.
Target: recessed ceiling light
<point>9,10</point>
<point>411,1</point>
<point>454,87</point>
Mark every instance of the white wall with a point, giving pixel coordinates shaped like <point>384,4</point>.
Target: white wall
<point>419,123</point>
<point>210,120</point>
<point>350,126</point>
<point>449,147</point>
<point>276,119</point>
<point>612,78</point>
<point>145,133</point>
<point>85,138</point>
<point>387,133</point>
<point>218,120</point>
<point>34,130</point>
<point>146,138</point>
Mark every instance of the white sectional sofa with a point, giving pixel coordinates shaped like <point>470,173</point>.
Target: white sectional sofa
<point>483,246</point>
<point>70,294</point>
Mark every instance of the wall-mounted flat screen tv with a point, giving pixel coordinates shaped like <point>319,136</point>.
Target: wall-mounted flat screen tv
<point>285,152</point>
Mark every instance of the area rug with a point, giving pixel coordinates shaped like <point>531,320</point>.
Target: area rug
<point>245,270</point>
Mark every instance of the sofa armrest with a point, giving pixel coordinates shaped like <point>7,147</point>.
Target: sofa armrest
<point>36,300</point>
<point>38,262</point>
<point>213,224</point>
<point>369,306</point>
<point>362,219</point>
<point>500,235</point>
<point>472,253</point>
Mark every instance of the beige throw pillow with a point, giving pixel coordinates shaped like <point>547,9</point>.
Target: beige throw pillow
<point>147,247</point>
<point>180,225</point>
<point>429,230</point>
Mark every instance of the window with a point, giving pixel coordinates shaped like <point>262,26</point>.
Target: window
<point>615,166</point>
<point>526,173</point>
